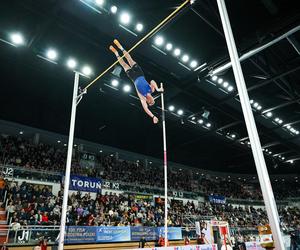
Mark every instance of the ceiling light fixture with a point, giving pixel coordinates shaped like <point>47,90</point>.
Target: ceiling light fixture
<point>171,108</point>
<point>113,9</point>
<point>177,52</point>
<point>159,41</point>
<point>125,18</point>
<point>51,54</point>
<point>86,70</point>
<point>139,27</point>
<point>126,88</point>
<point>169,46</point>
<point>17,38</point>
<point>71,63</point>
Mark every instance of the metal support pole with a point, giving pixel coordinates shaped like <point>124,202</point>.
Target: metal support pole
<point>68,165</point>
<point>256,50</point>
<point>260,163</point>
<point>165,166</point>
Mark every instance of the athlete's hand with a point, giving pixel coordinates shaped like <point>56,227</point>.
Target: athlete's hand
<point>155,120</point>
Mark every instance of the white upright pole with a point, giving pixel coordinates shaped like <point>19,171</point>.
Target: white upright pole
<point>165,166</point>
<point>68,165</point>
<point>260,163</point>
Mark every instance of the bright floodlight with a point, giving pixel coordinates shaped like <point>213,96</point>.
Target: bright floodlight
<point>159,41</point>
<point>251,101</point>
<point>255,105</point>
<point>276,119</point>
<point>233,135</point>
<point>185,58</point>
<point>126,88</point>
<point>113,9</point>
<point>200,121</point>
<point>225,84</point>
<point>171,108</point>
<point>177,52</point>
<point>169,46</point>
<point>259,107</point>
<point>115,83</point>
<point>99,2</point>
<point>208,125</point>
<point>269,114</point>
<point>17,39</point>
<point>288,126</point>
<point>71,63</point>
<point>51,54</point>
<point>86,70</point>
<point>194,64</point>
<point>139,27</point>
<point>180,112</point>
<point>125,18</point>
<point>280,121</point>
<point>220,80</point>
<point>214,78</point>
<point>230,88</point>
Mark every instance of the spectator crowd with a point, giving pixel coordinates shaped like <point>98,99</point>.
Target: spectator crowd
<point>22,152</point>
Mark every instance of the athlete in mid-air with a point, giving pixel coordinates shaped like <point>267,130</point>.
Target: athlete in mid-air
<point>136,74</point>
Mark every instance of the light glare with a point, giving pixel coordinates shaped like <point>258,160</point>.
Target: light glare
<point>214,78</point>
<point>185,58</point>
<point>171,108</point>
<point>126,88</point>
<point>180,112</point>
<point>99,2</point>
<point>17,38</point>
<point>230,88</point>
<point>139,27</point>
<point>113,9</point>
<point>159,41</point>
<point>125,18</point>
<point>169,46</point>
<point>71,63</point>
<point>220,80</point>
<point>177,52</point>
<point>115,83</point>
<point>194,64</point>
<point>269,114</point>
<point>52,54</point>
<point>86,70</point>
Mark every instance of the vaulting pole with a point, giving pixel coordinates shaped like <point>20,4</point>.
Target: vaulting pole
<point>68,165</point>
<point>165,165</point>
<point>260,163</point>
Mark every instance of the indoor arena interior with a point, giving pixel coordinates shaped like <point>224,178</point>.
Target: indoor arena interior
<point>150,124</point>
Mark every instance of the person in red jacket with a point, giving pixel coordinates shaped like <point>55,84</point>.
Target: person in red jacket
<point>44,244</point>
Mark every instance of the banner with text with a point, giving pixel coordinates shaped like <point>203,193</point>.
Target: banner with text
<point>113,234</point>
<point>174,233</point>
<point>86,184</point>
<point>80,235</point>
<point>217,199</point>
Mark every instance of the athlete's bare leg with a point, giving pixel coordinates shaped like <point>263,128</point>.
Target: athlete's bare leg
<point>126,54</point>
<point>121,61</point>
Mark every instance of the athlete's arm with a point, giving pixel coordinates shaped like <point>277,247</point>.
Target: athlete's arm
<point>146,109</point>
<point>154,84</point>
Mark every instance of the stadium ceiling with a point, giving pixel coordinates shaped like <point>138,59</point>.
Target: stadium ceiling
<point>43,41</point>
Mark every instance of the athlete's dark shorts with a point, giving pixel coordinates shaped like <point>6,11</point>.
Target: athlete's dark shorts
<point>135,72</point>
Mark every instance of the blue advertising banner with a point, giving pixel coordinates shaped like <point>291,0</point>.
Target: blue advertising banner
<point>218,199</point>
<point>80,235</point>
<point>174,233</point>
<point>113,234</point>
<point>86,184</point>
<point>149,233</point>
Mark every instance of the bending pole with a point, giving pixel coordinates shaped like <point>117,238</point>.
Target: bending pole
<point>68,165</point>
<point>165,165</point>
<point>154,30</point>
<point>260,163</point>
